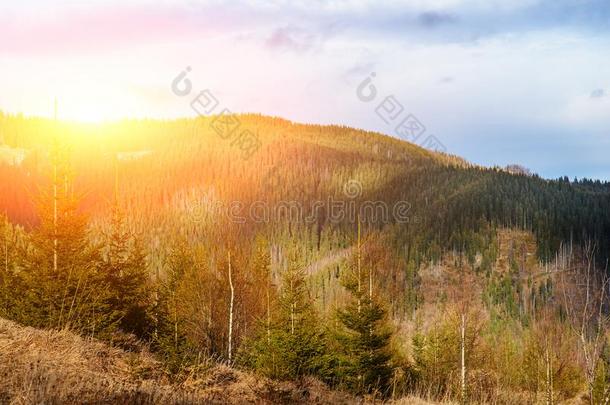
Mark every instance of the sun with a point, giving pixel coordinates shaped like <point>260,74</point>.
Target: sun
<point>92,102</point>
<point>85,113</point>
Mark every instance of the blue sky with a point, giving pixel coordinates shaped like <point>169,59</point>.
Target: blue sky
<point>497,82</point>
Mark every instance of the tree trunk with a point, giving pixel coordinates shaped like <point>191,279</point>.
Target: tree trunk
<point>55,195</point>
<point>269,308</point>
<point>463,358</point>
<point>292,303</point>
<point>359,267</point>
<point>549,377</point>
<point>231,311</point>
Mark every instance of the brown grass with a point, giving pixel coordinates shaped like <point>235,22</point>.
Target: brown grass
<point>59,367</point>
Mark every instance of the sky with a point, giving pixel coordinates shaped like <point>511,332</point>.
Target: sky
<point>494,81</point>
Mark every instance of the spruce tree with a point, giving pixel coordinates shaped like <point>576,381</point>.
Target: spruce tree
<point>170,338</point>
<point>262,276</point>
<point>124,269</point>
<point>364,341</point>
<point>293,345</point>
<point>10,286</point>
<point>59,265</point>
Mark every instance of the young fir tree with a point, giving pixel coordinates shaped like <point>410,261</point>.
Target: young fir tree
<point>11,289</point>
<point>263,277</point>
<point>60,267</point>
<point>365,343</point>
<point>365,336</point>
<point>170,338</point>
<point>124,267</point>
<point>293,344</point>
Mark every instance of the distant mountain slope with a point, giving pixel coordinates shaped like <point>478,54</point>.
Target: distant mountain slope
<point>177,167</point>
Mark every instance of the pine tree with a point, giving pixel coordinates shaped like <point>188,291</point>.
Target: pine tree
<point>171,339</point>
<point>124,267</point>
<point>11,289</point>
<point>261,269</point>
<point>60,267</point>
<point>364,340</point>
<point>293,345</point>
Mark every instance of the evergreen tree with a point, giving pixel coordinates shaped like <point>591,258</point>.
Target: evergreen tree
<point>11,288</point>
<point>364,341</point>
<point>124,267</point>
<point>170,338</point>
<point>293,345</point>
<point>60,267</point>
<point>261,266</point>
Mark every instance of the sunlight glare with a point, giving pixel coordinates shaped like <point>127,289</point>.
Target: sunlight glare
<point>92,103</point>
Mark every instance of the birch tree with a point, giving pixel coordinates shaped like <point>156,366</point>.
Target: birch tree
<point>231,303</point>
<point>585,301</point>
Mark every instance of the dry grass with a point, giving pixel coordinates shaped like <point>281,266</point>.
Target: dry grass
<point>410,400</point>
<point>59,367</point>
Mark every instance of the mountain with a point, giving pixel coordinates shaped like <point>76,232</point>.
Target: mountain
<point>184,164</point>
<point>229,213</point>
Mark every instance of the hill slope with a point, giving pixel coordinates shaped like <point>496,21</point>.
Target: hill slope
<point>60,367</point>
<point>214,239</point>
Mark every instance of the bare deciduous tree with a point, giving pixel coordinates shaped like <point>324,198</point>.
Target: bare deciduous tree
<point>584,305</point>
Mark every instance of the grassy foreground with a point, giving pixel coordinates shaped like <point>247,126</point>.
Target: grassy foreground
<point>55,367</point>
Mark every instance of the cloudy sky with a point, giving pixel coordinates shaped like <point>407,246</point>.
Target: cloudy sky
<point>496,81</point>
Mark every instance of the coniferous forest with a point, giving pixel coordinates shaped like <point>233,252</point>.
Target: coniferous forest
<point>378,268</point>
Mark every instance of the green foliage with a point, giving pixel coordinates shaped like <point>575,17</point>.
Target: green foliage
<point>293,344</point>
<point>363,339</point>
<point>124,268</point>
<point>170,338</point>
<point>284,354</point>
<point>11,286</point>
<point>65,280</point>
<point>364,343</point>
<point>502,291</point>
<point>547,347</point>
<point>601,383</point>
<point>61,268</point>
<point>437,357</point>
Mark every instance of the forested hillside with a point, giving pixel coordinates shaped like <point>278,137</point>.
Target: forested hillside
<point>369,263</point>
